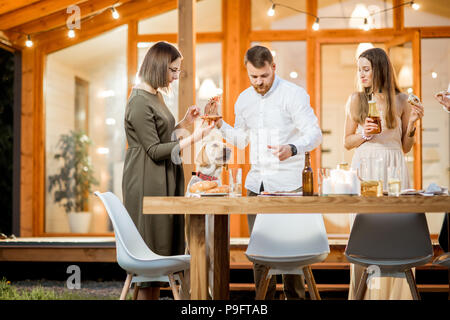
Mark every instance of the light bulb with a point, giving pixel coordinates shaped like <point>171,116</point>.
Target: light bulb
<point>271,11</point>
<point>315,25</point>
<point>71,34</point>
<point>415,6</point>
<point>293,75</point>
<point>274,53</point>
<point>434,75</point>
<point>29,43</point>
<point>366,26</point>
<point>115,14</point>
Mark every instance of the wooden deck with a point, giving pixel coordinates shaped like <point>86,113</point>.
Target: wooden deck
<point>82,249</point>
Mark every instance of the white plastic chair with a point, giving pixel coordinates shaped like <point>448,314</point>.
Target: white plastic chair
<point>136,258</point>
<point>394,242</point>
<point>288,244</point>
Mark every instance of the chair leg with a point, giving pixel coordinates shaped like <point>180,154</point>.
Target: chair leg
<point>412,284</point>
<point>362,287</point>
<point>135,291</point>
<point>173,285</point>
<point>184,285</point>
<point>263,285</point>
<point>312,287</point>
<point>126,286</point>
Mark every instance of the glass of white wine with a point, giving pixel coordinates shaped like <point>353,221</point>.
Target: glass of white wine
<point>394,182</point>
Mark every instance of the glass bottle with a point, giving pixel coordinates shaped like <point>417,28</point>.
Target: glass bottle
<point>307,176</point>
<point>374,115</point>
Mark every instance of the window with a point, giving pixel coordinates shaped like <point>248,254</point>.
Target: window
<point>431,13</point>
<point>436,122</point>
<point>85,88</point>
<point>208,19</point>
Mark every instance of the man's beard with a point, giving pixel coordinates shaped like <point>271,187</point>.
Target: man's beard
<point>263,89</point>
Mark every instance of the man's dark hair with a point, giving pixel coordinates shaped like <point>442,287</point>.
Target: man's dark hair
<point>258,56</point>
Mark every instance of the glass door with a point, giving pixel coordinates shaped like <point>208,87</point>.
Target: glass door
<point>404,53</point>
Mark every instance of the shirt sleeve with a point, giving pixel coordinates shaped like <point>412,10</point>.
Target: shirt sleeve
<point>305,121</point>
<point>142,119</point>
<point>237,135</point>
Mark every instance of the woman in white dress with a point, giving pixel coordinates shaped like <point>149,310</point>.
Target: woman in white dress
<point>398,117</point>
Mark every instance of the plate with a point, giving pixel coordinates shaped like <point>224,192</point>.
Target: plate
<point>213,194</point>
<point>281,194</point>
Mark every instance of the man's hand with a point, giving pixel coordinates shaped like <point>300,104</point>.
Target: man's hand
<point>282,152</point>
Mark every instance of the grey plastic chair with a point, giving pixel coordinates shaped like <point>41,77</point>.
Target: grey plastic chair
<point>288,244</point>
<point>136,258</point>
<point>395,243</point>
<point>443,260</point>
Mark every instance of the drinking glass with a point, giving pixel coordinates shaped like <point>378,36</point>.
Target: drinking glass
<point>235,182</point>
<point>394,182</point>
<point>324,181</point>
<point>371,173</point>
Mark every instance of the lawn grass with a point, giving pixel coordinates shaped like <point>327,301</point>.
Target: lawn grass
<point>9,291</point>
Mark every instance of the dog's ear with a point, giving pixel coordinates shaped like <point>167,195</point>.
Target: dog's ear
<point>202,159</point>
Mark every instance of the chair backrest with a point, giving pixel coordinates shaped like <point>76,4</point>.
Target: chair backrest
<point>390,236</point>
<point>288,235</point>
<point>128,239</point>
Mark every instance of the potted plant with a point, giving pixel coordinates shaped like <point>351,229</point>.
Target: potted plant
<point>72,183</point>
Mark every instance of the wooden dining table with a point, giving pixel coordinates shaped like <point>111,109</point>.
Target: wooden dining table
<point>221,207</point>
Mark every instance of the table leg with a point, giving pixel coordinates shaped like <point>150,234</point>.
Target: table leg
<point>221,258</point>
<point>199,270</point>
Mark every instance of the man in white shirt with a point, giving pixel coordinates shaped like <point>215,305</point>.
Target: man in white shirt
<point>276,118</point>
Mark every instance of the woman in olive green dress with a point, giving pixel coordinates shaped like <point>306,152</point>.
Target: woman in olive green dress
<point>152,163</point>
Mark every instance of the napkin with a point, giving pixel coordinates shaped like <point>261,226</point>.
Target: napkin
<point>434,189</point>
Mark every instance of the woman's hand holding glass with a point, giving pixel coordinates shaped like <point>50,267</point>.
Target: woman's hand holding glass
<point>417,111</point>
<point>369,127</point>
<point>443,98</point>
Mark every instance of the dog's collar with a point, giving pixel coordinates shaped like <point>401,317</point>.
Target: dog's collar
<point>205,177</point>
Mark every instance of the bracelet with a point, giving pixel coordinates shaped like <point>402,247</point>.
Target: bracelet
<point>366,138</point>
<point>413,131</point>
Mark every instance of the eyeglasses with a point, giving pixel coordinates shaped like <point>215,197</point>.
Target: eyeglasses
<point>174,70</point>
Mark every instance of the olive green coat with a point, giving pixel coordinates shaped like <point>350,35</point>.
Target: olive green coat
<point>149,170</point>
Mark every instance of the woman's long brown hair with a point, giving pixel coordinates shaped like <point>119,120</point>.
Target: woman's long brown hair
<point>383,81</point>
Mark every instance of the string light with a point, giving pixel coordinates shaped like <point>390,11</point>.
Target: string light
<point>366,26</point>
<point>115,14</point>
<point>315,25</point>
<point>434,75</point>
<point>271,11</point>
<point>71,33</point>
<point>29,43</point>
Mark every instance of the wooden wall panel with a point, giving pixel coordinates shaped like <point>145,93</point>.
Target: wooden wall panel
<point>417,86</point>
<point>33,11</point>
<point>186,88</point>
<point>26,153</point>
<point>132,53</point>
<point>236,27</point>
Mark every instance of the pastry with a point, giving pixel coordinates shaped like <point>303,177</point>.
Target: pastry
<point>221,189</point>
<point>202,186</point>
